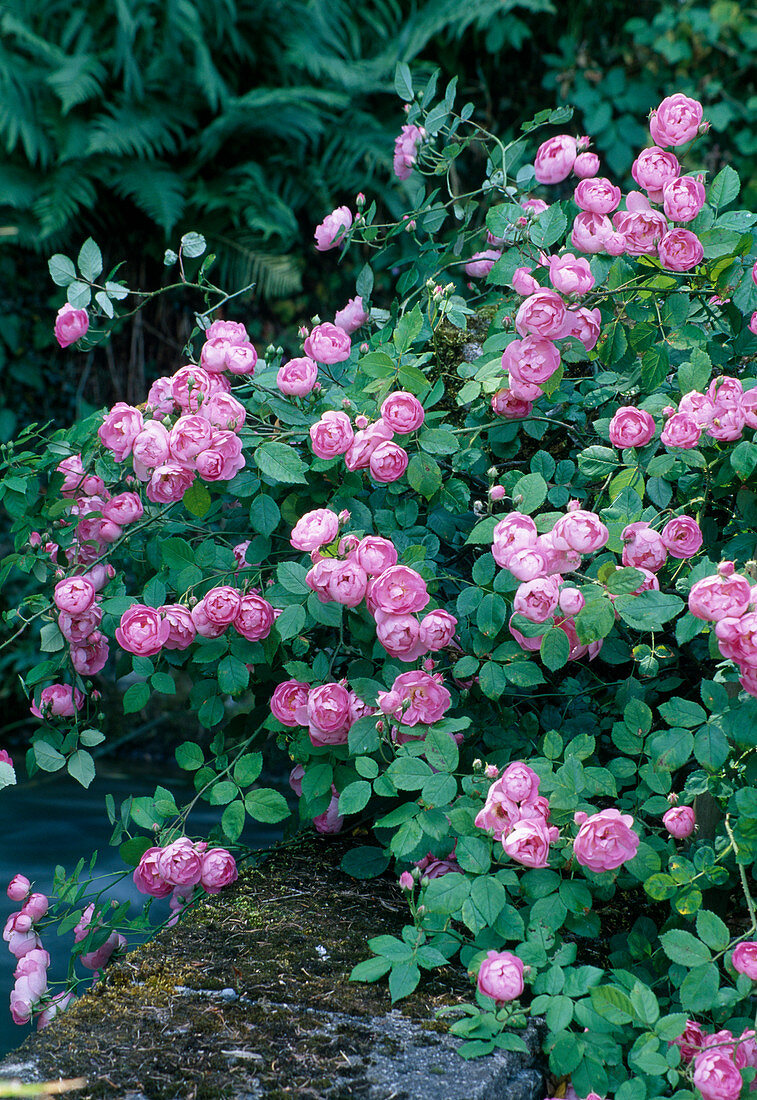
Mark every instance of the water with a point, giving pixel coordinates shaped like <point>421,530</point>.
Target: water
<point>52,820</point>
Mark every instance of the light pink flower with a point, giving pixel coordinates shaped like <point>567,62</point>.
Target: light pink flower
<point>642,229</point>
<point>330,821</point>
<point>297,377</point>
<point>330,233</point>
<point>347,582</point>
<point>74,595</point>
<point>532,360</point>
<point>352,316</point>
<point>681,430</point>
<point>191,387</point>
<point>543,314</point>
<point>683,198</point>
<point>254,618</point>
<point>586,165</point>
<point>653,168</point>
<point>716,1076</point>
<point>332,435</point>
<point>289,703</point>
<point>61,700</point>
<point>400,635</point>
<point>18,888</point>
<point>399,590</point>
<point>682,537</point>
<point>224,412</point>
<point>189,435</point>
<point>142,630</point>
<point>406,150</point>
<point>481,263</point>
<point>537,600</point>
<point>427,699</point>
<point>675,121</point>
<point>581,531</point>
<point>680,250</point>
<point>70,324</point>
<point>523,281</point>
<point>570,274</point>
<point>402,412</point>
<point>315,529</point>
<point>597,196</point>
<point>375,554</point>
<point>679,821</point>
<point>179,863</point>
<point>218,869</point>
<point>328,714</point>
<point>147,878</point>
<point>328,344</point>
<point>120,428</point>
<point>631,427</point>
<point>585,324</point>
<point>555,159</point>
<point>169,482</point>
<point>91,655</point>
<point>643,547</point>
<point>151,447</point>
<point>125,508</point>
<point>505,403</point>
<point>726,595</point>
<point>241,359</point>
<point>591,232</point>
<point>181,628</point>
<point>388,462</point>
<point>437,629</point>
<point>744,959</point>
<point>528,842</point>
<point>500,975</point>
<point>605,841</point>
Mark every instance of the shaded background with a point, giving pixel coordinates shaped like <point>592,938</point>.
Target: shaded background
<point>248,120</point>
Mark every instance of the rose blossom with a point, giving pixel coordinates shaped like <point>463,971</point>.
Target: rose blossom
<point>70,324</point>
<point>189,435</point>
<point>680,250</point>
<point>328,714</point>
<point>570,274</point>
<point>233,331</point>
<point>400,635</point>
<point>744,959</point>
<point>62,700</point>
<point>555,159</point>
<point>74,595</point>
<point>543,314</point>
<point>586,165</point>
<point>402,412</point>
<point>537,206</point>
<point>399,590</point>
<point>605,840</point>
<point>631,427</point>
<point>179,863</point>
<point>432,867</point>
<point>18,888</point>
<point>683,198</point>
<point>505,403</point>
<point>191,387</point>
<point>91,655</point>
<point>142,630</point>
<point>241,359</point>
<point>328,344</point>
<point>716,1076</point>
<point>428,699</point>
<point>375,554</point>
<point>181,628</point>
<point>597,196</point>
<point>682,537</point>
<point>346,583</point>
<point>124,508</point>
<point>679,821</point>
<point>500,976</point>
<point>523,281</point>
<point>224,412</point>
<point>289,703</point>
<point>675,121</point>
<point>641,226</point>
<point>297,377</point>
<point>643,547</point>
<point>331,231</point>
<point>581,531</point>
<point>315,529</point>
<point>151,446</point>
<point>726,595</point>
<point>437,629</point>
<point>536,600</point>
<point>528,842</point>
<point>388,462</point>
<point>147,878</point>
<point>254,618</point>
<point>332,435</point>
<point>223,458</point>
<point>120,428</point>
<point>690,1040</point>
<point>653,168</point>
<point>406,150</point>
<point>481,263</point>
<point>681,430</point>
<point>296,776</point>
<point>352,316</point>
<point>532,360</point>
<point>585,324</point>
<point>218,869</point>
<point>168,483</point>
<point>330,821</point>
<point>591,232</point>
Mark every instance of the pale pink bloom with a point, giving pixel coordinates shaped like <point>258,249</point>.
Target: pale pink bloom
<point>643,547</point>
<point>74,595</point>
<point>189,435</point>
<point>406,150</point>
<point>124,508</point>
<point>537,206</point>
<point>537,600</point>
<point>332,435</point>
<point>597,196</point>
<point>346,583</point>
<point>70,324</point>
<point>120,428</point>
<point>716,1076</point>
<point>181,627</point>
<point>571,601</point>
<point>147,878</point>
<point>218,869</point>
<point>406,881</point>
<point>675,121</point>
<point>727,423</point>
<point>744,959</point>
<point>586,165</point>
<point>679,821</point>
<point>328,344</point>
<point>18,888</point>
<point>581,531</point>
<point>296,776</point>
<point>315,529</point>
<point>61,700</point>
<point>543,314</point>
<point>726,595</point>
<point>690,1040</point>
<point>570,274</point>
<point>151,446</point>
<point>427,699</point>
<point>500,976</point>
<point>160,397</point>
<point>191,387</point>
<point>591,232</point>
<point>631,427</point>
<point>642,229</point>
<point>330,821</point>
<point>180,863</point>
<point>683,198</point>
<point>142,630</point>
<point>605,841</point>
<point>681,430</point>
<point>585,324</point>
<point>352,316</point>
<point>432,867</point>
<point>532,360</point>
<point>289,703</point>
<point>375,554</point>
<point>528,842</point>
<point>680,250</point>
<point>331,232</point>
<point>233,331</point>
<point>437,629</point>
<point>555,159</point>
<point>56,1004</point>
<point>518,782</point>
<point>169,482</point>
<point>402,412</point>
<point>224,412</point>
<point>388,462</point>
<point>91,655</point>
<point>400,635</point>
<point>241,359</point>
<point>481,263</point>
<point>527,564</point>
<point>682,537</point>
<point>523,281</point>
<point>213,355</point>
<point>653,168</point>
<point>297,377</point>
<point>254,618</point>
<point>399,590</point>
<point>505,403</point>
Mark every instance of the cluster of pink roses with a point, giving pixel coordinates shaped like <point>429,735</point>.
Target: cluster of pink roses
<point>146,630</point>
<point>100,517</point>
<point>371,447</point>
<point>79,618</point>
<point>30,992</point>
<point>542,318</point>
<point>178,867</point>
<point>327,343</point>
<point>406,150</point>
<point>415,698</point>
<point>517,815</point>
<point>647,550</point>
<point>717,1057</point>
<point>723,413</point>
<point>195,420</point>
<point>328,711</point>
<point>639,229</point>
<point>730,601</point>
<point>367,569</point>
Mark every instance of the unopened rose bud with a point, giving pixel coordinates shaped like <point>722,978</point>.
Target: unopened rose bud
<point>361,422</point>
<point>410,226</point>
<point>479,508</point>
<point>379,726</point>
<point>303,331</point>
<point>360,199</point>
<point>406,881</point>
<point>673,798</point>
<point>704,126</point>
<point>583,143</point>
<point>497,492</point>
<point>491,771</point>
<point>477,765</point>
<point>344,516</point>
<point>317,387</point>
<point>521,222</point>
<point>726,568</point>
<point>364,348</point>
<point>346,403</point>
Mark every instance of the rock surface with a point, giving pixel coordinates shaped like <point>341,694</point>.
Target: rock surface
<point>249,997</point>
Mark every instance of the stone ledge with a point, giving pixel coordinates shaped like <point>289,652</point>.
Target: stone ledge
<point>249,997</point>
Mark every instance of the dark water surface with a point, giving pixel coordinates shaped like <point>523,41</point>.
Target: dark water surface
<point>53,820</point>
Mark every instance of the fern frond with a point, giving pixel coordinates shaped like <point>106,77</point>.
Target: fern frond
<point>241,262</point>
<point>76,80</point>
<point>147,131</point>
<point>66,190</point>
<point>156,190</point>
<point>18,186</point>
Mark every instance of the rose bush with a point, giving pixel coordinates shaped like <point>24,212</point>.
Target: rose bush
<point>492,593</point>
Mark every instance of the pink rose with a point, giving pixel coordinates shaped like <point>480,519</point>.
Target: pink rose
<point>631,427</point>
<point>643,547</point>
<point>570,275</point>
<point>537,600</point>
<point>744,959</point>
<point>752,325</point>
<point>61,700</point>
<point>56,1004</point>
<point>437,629</point>
<point>716,1076</point>
<point>605,840</point>
<point>91,655</point>
<point>675,121</point>
<point>147,878</point>
<point>332,435</point>
<point>431,867</point>
<point>586,165</point>
<point>481,263</point>
<point>18,888</point>
<point>179,863</point>
<point>74,595</point>
<point>160,397</point>
<point>331,232</point>
<point>296,776</point>
<point>683,198</point>
<point>254,618</point>
<point>328,344</point>
<point>315,529</point>
<point>331,821</point>
<point>181,628</point>
<point>213,355</point>
<point>536,206</point>
<point>402,412</point>
<point>328,714</point>
<point>191,387</point>
<point>532,360</point>
<point>189,436</point>
<point>682,537</point>
<point>500,975</point>
<point>581,531</point>
<point>168,483</point>
<point>352,316</point>
<point>375,554</point>
<point>142,630</point>
<point>222,604</point>
<point>681,430</point>
<point>428,699</point>
<point>289,703</point>
<point>120,428</point>
<point>297,377</point>
<point>346,582</point>
<point>585,324</point>
<point>518,782</point>
<point>690,1040</point>
<point>399,590</point>
<point>400,635</point>
<point>223,458</point>
<point>523,281</point>
<point>224,412</point>
<point>597,196</point>
<point>642,230</point>
<point>233,331</point>
<point>70,324</point>
<point>406,150</point>
<point>679,821</point>
<point>727,423</point>
<point>543,314</point>
<point>515,532</point>
<point>726,595</point>
<point>591,232</point>
<point>241,359</point>
<point>151,446</point>
<point>124,508</point>
<point>528,842</point>
<point>653,168</point>
<point>555,159</point>
<point>680,250</point>
<point>505,403</point>
<point>388,462</point>
<point>218,868</point>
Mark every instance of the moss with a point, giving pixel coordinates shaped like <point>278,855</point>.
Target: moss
<point>161,1022</point>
